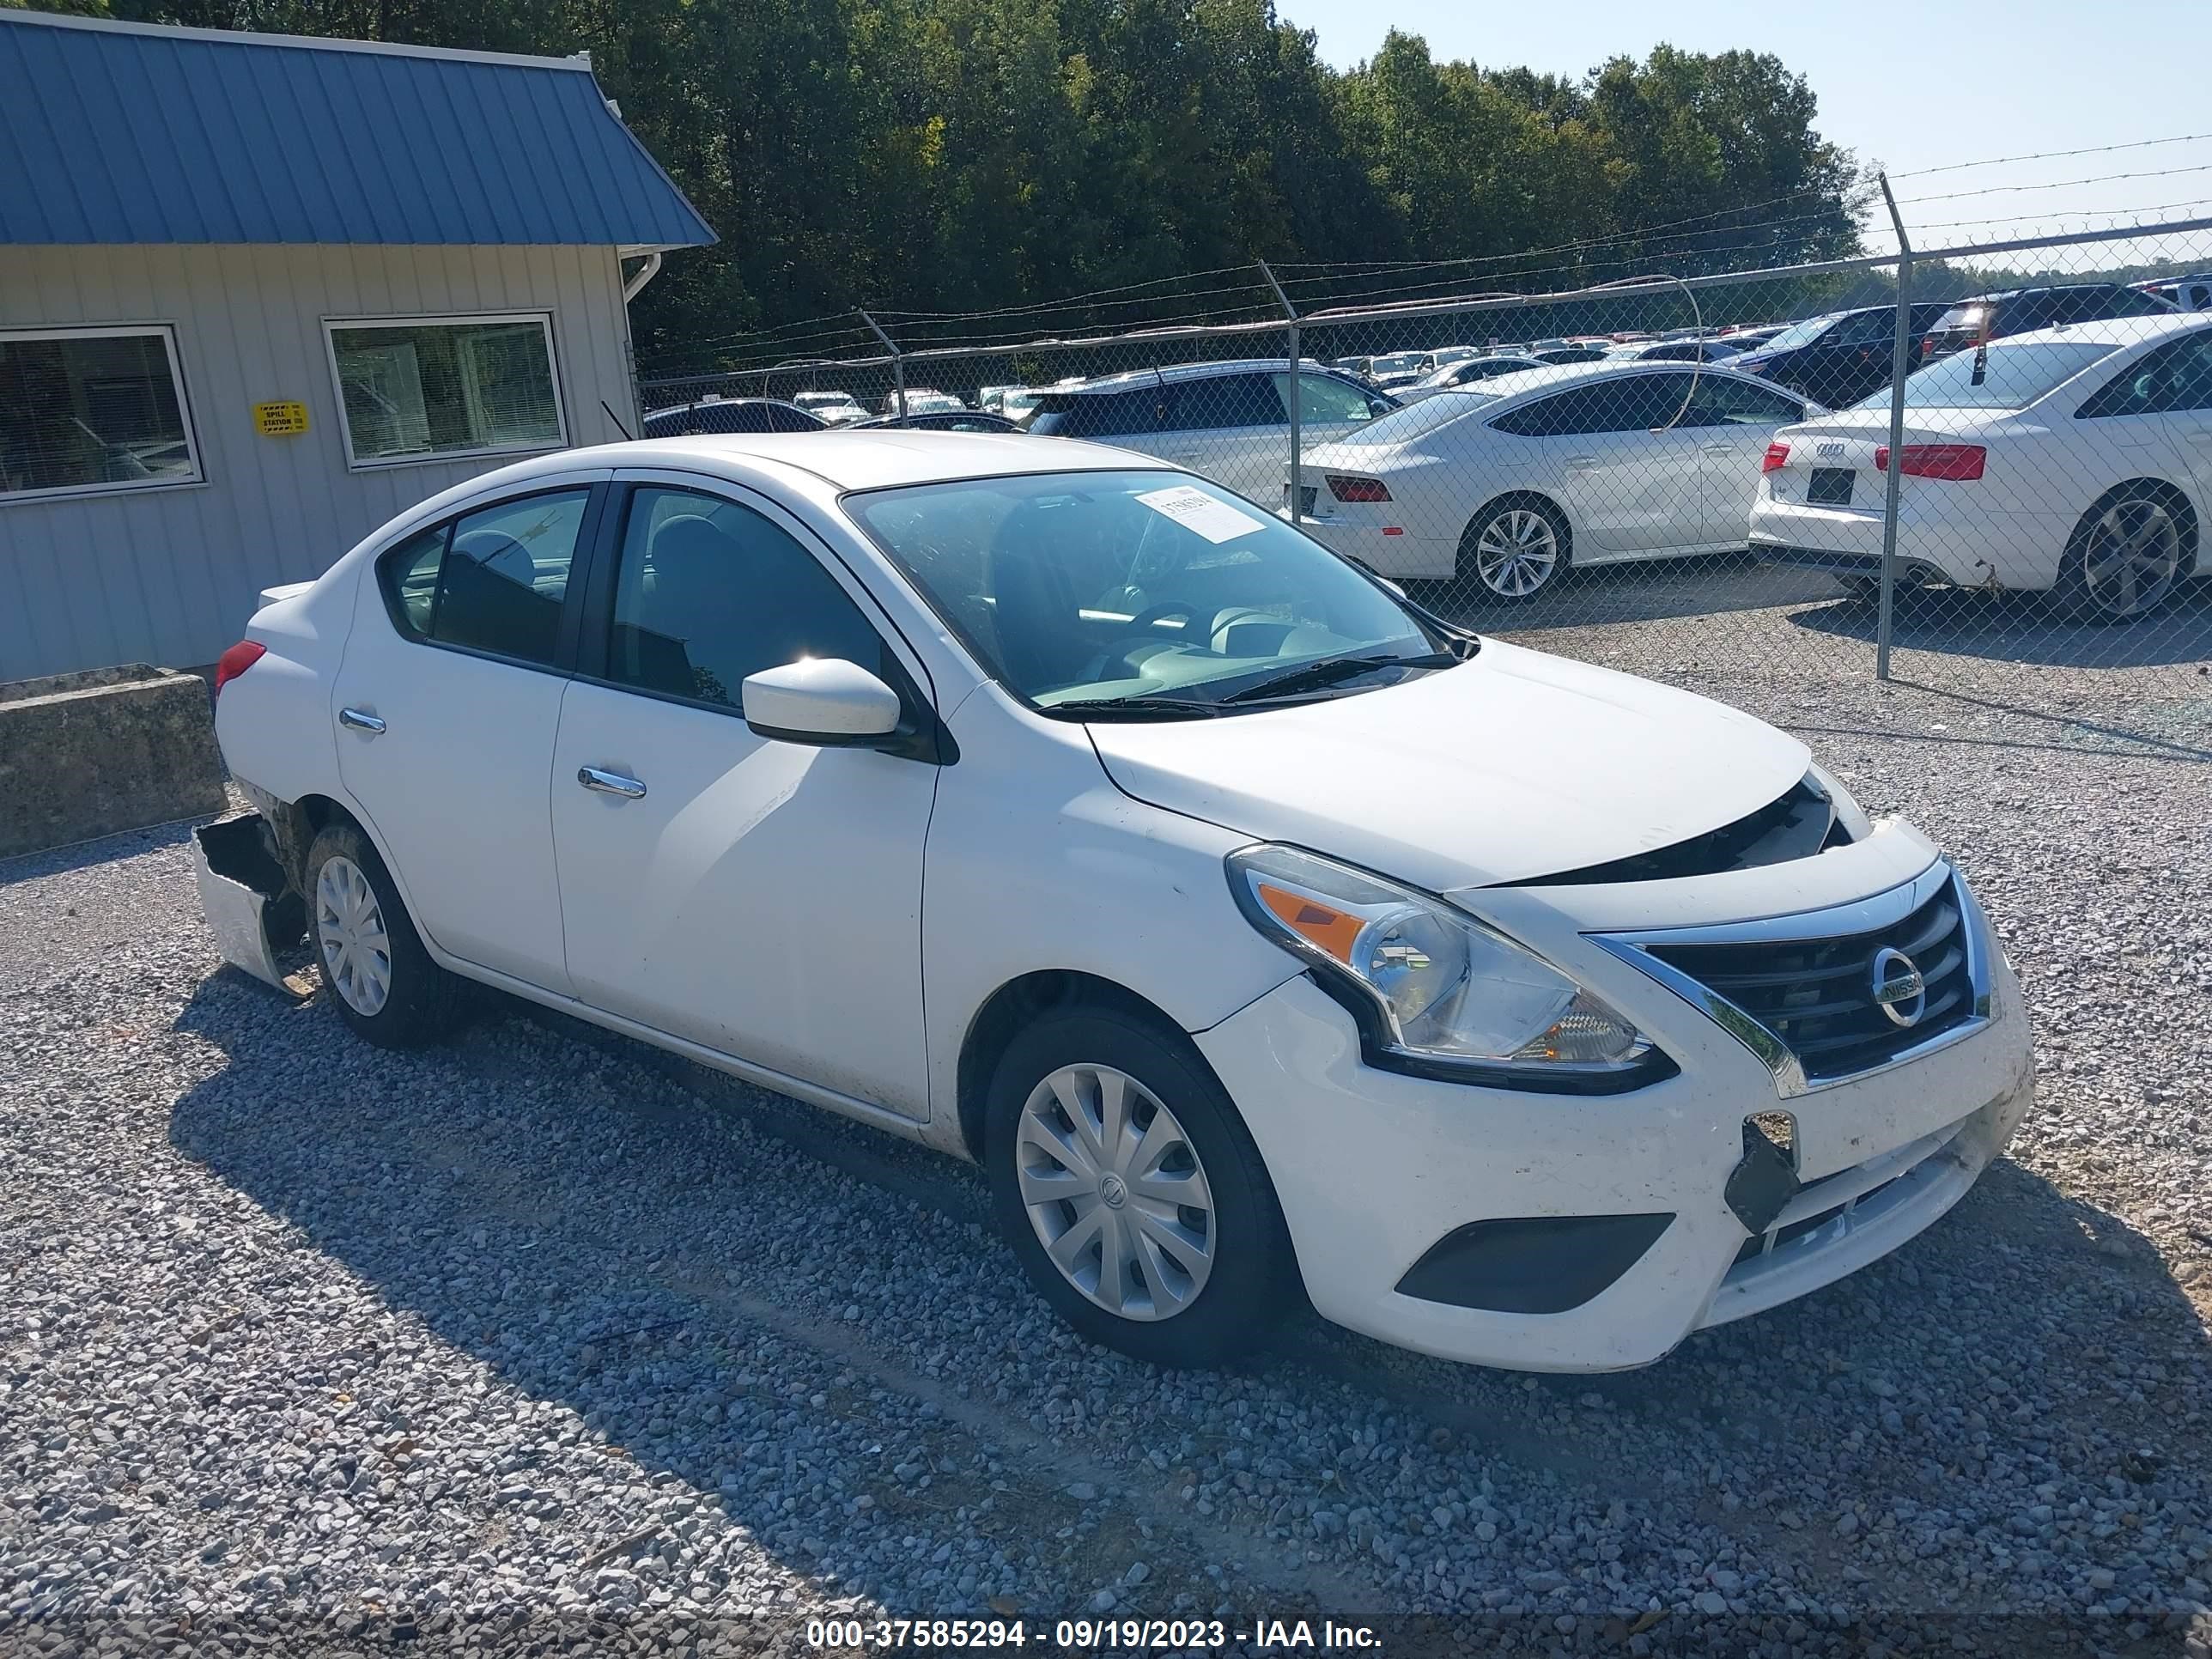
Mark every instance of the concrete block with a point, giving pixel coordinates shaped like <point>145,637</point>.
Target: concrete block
<point>88,754</point>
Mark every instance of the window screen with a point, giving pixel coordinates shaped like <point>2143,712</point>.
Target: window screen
<point>91,410</point>
<point>415,388</point>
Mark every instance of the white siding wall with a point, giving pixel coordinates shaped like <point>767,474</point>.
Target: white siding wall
<point>169,576</point>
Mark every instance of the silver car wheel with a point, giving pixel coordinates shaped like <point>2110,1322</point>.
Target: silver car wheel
<point>1116,1192</point>
<point>2132,558</point>
<point>1516,553</point>
<point>349,932</point>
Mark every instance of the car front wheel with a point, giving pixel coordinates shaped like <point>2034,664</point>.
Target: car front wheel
<point>1130,1188</point>
<point>375,970</point>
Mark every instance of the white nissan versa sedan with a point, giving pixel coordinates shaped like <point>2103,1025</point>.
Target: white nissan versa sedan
<point>1258,933</point>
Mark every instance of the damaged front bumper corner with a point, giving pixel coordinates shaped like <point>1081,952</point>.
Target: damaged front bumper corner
<point>244,894</point>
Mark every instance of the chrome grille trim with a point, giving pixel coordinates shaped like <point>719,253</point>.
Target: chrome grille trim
<point>1871,914</point>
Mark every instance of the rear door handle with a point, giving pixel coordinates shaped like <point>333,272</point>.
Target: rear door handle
<point>1581,460</point>
<point>361,721</point>
<point>609,783</point>
<point>1718,449</point>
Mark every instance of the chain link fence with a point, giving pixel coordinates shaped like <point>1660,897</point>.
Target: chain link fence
<point>1715,479</point>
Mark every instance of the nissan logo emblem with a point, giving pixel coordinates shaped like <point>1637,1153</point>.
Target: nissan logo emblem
<point>1898,990</point>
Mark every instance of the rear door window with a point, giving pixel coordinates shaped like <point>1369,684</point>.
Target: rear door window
<point>2176,378</point>
<point>1628,403</point>
<point>1104,415</point>
<point>493,580</point>
<point>1224,400</point>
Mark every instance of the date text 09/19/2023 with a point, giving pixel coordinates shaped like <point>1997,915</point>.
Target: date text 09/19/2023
<point>1083,1635</point>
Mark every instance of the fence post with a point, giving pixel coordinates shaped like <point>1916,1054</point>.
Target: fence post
<point>898,364</point>
<point>1900,354</point>
<point>1297,479</point>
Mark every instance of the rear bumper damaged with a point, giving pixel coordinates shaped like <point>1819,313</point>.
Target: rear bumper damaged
<point>249,905</point>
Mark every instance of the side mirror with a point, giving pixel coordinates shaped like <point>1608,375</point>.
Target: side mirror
<point>826,701</point>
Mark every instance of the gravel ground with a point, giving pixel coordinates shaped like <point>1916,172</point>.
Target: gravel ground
<point>544,1337</point>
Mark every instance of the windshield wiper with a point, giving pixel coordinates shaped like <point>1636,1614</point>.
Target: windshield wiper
<point>1313,676</point>
<point>1142,707</point>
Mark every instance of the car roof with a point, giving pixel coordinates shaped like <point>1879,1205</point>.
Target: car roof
<point>847,459</point>
<point>2037,288</point>
<point>2116,331</point>
<point>1170,373</point>
<point>1550,377</point>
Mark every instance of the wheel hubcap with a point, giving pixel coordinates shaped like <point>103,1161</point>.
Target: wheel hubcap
<point>1516,552</point>
<point>350,929</point>
<point>1116,1192</point>
<point>2133,558</point>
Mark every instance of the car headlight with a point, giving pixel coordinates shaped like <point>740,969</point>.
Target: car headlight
<point>1435,990</point>
<point>1848,813</point>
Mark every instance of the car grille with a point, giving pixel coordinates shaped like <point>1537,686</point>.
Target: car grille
<point>1816,996</point>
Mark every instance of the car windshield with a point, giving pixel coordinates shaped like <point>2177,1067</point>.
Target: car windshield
<point>1416,420</point>
<point>1801,334</point>
<point>2015,375</point>
<point>1140,594</point>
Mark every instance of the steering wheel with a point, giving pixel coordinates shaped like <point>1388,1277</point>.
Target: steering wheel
<point>1152,613</point>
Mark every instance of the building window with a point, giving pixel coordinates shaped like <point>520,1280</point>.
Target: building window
<point>434,388</point>
<point>90,410</point>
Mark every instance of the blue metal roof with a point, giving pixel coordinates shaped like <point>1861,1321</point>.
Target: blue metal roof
<point>135,133</point>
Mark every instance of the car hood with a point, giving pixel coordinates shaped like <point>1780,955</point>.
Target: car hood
<point>1514,765</point>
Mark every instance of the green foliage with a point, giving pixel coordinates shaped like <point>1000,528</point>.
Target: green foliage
<point>957,154</point>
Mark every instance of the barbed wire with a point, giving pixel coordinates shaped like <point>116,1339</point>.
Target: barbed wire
<point>1071,302</point>
<point>2055,184</point>
<point>2054,154</point>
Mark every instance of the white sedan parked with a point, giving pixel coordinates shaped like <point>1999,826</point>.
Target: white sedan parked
<point>1020,796</point>
<point>2074,459</point>
<point>1510,481</point>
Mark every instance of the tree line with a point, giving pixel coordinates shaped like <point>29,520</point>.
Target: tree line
<point>951,156</point>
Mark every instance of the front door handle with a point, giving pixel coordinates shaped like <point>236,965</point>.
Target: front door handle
<point>609,783</point>
<point>361,721</point>
<point>1581,462</point>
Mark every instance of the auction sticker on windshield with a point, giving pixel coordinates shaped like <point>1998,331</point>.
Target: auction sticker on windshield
<point>1198,511</point>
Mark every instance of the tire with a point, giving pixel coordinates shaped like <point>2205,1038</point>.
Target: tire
<point>1515,548</point>
<point>2129,553</point>
<point>1190,1296</point>
<point>395,996</point>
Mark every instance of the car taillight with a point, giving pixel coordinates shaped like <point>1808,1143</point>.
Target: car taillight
<point>235,661</point>
<point>1777,455</point>
<point>1357,489</point>
<point>1958,463</point>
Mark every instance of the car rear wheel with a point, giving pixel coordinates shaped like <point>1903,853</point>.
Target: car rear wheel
<point>1516,547</point>
<point>2128,554</point>
<point>1131,1190</point>
<point>375,970</point>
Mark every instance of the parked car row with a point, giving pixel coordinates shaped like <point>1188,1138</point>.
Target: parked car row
<point>2073,458</point>
<point>1505,467</point>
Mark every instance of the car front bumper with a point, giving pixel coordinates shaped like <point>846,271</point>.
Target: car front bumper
<point>1376,1168</point>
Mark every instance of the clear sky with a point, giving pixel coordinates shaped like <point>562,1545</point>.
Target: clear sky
<point>1908,87</point>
